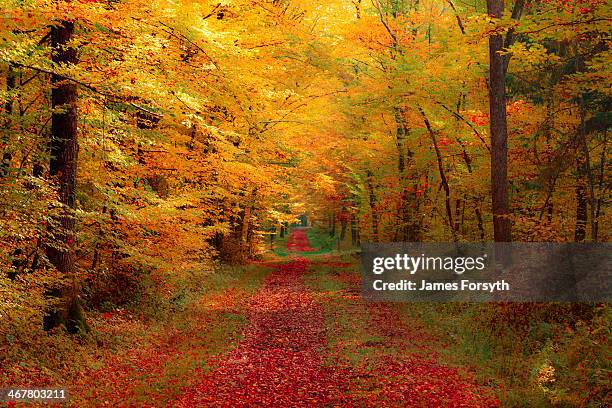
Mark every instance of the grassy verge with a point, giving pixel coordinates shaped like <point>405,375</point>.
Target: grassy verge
<point>280,245</point>
<point>210,323</point>
<point>347,319</point>
<point>130,358</point>
<point>545,357</point>
<point>321,241</point>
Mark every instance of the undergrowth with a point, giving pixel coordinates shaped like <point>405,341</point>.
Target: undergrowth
<point>540,359</point>
<point>204,317</point>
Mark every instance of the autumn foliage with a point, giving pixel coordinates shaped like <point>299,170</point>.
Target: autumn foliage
<point>150,146</point>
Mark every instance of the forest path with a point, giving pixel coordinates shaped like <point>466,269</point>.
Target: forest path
<point>280,361</point>
<point>311,340</point>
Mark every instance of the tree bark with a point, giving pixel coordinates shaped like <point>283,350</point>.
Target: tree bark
<point>354,230</point>
<point>63,171</point>
<point>343,222</point>
<point>502,227</point>
<point>7,156</point>
<point>402,229</point>
<point>443,179</point>
<point>372,196</point>
<point>601,188</point>
<point>581,203</point>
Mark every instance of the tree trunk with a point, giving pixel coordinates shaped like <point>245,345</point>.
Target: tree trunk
<point>246,225</point>
<point>401,133</point>
<point>372,196</point>
<point>581,203</point>
<point>63,171</point>
<point>582,165</point>
<point>7,156</point>
<point>443,179</point>
<point>459,211</point>
<point>354,230</point>
<point>601,188</point>
<point>468,163</point>
<point>502,227</point>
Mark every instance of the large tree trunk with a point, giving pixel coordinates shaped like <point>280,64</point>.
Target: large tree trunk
<point>63,171</point>
<point>502,227</point>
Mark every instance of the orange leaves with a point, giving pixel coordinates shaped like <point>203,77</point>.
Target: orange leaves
<point>478,118</point>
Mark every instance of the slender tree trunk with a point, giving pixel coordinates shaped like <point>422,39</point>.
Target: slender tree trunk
<point>372,200</point>
<point>445,186</point>
<point>458,213</point>
<point>582,166</point>
<point>601,187</point>
<point>246,227</point>
<point>584,147</point>
<point>343,221</point>
<point>502,227</point>
<point>581,204</point>
<point>96,253</point>
<point>468,163</point>
<point>63,171</point>
<point>400,140</point>
<point>354,230</point>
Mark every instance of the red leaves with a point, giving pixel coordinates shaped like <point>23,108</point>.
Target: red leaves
<point>479,118</point>
<point>298,241</point>
<point>284,359</point>
<point>279,363</point>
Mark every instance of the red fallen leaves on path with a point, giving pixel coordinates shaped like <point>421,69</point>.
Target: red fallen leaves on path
<point>280,361</point>
<point>283,359</point>
<point>420,382</point>
<point>298,241</point>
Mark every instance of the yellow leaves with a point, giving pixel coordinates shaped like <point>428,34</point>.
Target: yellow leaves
<point>325,183</point>
<point>596,78</point>
<point>526,57</point>
<point>546,376</point>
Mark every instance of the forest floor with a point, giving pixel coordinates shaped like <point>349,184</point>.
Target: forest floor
<point>312,341</point>
<point>286,333</point>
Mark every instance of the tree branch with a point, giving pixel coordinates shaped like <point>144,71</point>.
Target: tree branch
<point>467,122</point>
<point>383,20</point>
<point>459,22</point>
